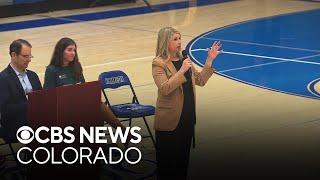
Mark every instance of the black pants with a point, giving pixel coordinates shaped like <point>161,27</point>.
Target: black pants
<point>173,151</point>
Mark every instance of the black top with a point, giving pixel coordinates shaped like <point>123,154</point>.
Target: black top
<point>188,110</point>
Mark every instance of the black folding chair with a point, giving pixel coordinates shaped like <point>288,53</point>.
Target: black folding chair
<point>17,168</point>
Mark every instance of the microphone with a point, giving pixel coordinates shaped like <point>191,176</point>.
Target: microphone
<point>185,56</point>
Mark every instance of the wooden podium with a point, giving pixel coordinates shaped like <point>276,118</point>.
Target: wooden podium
<point>72,105</point>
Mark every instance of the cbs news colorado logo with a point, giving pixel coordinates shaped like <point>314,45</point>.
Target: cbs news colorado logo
<point>83,154</point>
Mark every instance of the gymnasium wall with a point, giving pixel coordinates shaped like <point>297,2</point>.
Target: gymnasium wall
<point>23,7</point>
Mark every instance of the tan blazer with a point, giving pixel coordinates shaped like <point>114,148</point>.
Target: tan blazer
<point>170,92</point>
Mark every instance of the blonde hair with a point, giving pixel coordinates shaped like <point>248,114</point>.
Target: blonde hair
<point>164,36</point>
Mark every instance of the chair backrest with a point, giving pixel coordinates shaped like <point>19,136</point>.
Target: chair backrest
<point>114,79</point>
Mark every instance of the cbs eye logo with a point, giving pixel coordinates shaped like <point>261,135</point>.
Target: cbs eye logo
<point>25,135</point>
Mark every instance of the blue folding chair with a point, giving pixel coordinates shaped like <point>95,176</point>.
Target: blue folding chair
<point>116,79</point>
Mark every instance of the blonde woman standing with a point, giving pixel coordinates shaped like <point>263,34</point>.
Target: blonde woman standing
<point>175,108</point>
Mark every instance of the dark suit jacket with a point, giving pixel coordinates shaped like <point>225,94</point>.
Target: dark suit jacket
<point>13,102</point>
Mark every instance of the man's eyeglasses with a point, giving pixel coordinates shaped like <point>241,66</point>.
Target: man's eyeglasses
<point>27,56</point>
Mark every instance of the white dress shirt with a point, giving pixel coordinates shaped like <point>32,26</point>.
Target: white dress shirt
<point>24,80</point>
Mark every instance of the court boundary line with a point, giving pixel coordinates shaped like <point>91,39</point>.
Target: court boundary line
<point>252,66</point>
<point>112,62</point>
<point>261,44</point>
<point>117,62</point>
<point>280,60</point>
<point>264,57</point>
<point>262,64</point>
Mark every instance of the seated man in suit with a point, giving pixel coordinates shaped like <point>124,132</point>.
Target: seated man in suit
<point>15,82</point>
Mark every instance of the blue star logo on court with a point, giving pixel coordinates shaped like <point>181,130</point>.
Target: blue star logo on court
<point>279,53</point>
